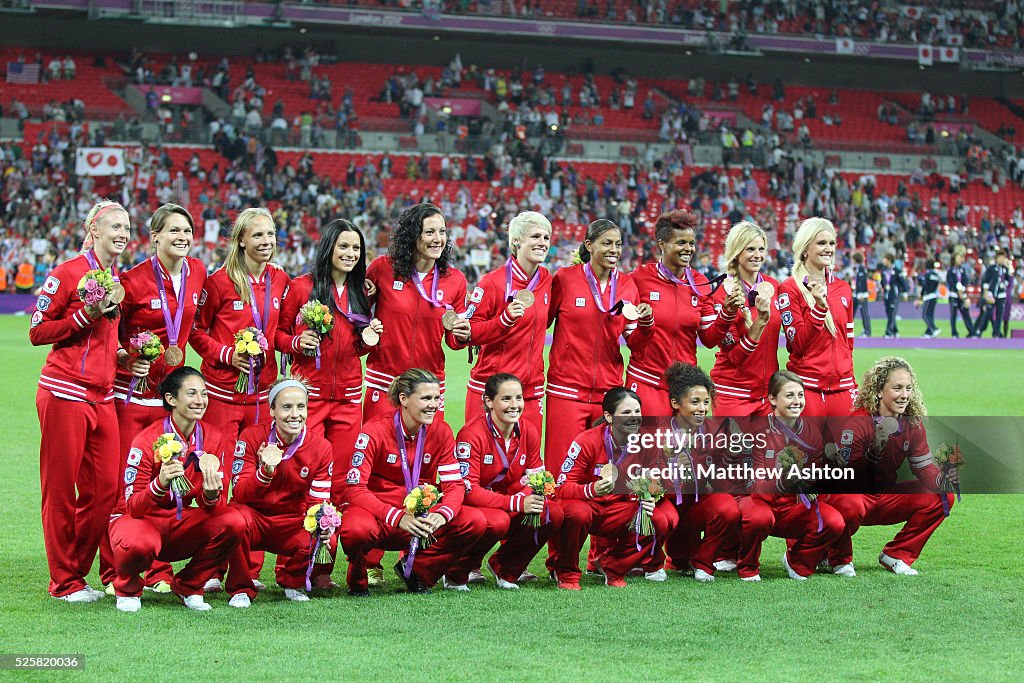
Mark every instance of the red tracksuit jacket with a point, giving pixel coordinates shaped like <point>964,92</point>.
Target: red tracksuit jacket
<point>412,327</point>
<point>680,316</point>
<point>221,314</point>
<point>481,465</point>
<point>299,482</point>
<point>809,431</point>
<point>515,346</point>
<point>141,311</point>
<point>742,366</point>
<point>340,377</point>
<point>824,362</point>
<point>582,467</point>
<point>142,495</point>
<point>375,482</point>
<point>82,362</point>
<point>585,357</point>
<point>878,472</point>
<point>706,453</point>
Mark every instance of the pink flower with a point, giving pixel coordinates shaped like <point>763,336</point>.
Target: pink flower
<point>327,523</point>
<point>91,285</point>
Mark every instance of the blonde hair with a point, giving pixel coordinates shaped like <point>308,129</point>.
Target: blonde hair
<point>740,235</point>
<point>518,227</point>
<point>160,218</point>
<point>871,385</point>
<point>810,229</point>
<point>235,262</point>
<point>97,210</point>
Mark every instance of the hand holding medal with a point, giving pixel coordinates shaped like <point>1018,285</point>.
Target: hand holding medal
<point>372,332</point>
<point>270,457</point>
<point>606,484</point>
<point>213,480</point>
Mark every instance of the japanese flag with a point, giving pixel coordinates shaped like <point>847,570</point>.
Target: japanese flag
<point>844,46</point>
<point>949,54</point>
<point>925,55</point>
<point>99,161</point>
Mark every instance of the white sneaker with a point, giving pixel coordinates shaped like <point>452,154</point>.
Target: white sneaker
<point>259,585</point>
<point>461,587</point>
<point>789,570</point>
<point>725,566</point>
<point>756,578</point>
<point>502,583</point>
<point>296,595</point>
<point>703,576</point>
<point>896,566</point>
<point>476,576</point>
<point>99,595</point>
<point>84,595</point>
<point>845,570</point>
<point>659,575</point>
<point>213,586</point>
<point>240,600</point>
<point>527,576</point>
<point>128,604</point>
<point>196,602</point>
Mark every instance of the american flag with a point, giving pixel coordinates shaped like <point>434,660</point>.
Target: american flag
<point>18,72</point>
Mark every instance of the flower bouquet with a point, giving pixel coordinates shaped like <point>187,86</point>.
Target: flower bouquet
<point>251,343</point>
<point>167,447</point>
<point>644,489</point>
<point>542,484</point>
<point>317,317</point>
<point>321,517</point>
<point>147,346</point>
<point>97,286</point>
<point>949,458</point>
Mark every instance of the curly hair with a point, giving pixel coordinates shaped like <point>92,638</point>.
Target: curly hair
<point>402,249</point>
<point>673,220</point>
<point>681,377</point>
<point>870,395</point>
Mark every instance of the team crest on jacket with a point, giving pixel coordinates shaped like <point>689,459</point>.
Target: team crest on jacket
<point>128,491</point>
<point>694,300</point>
<point>43,302</point>
<point>580,302</point>
<point>477,296</point>
<point>51,285</point>
<point>787,318</point>
<point>195,298</point>
<point>237,305</point>
<point>239,449</point>
<point>574,451</point>
<point>277,303</point>
<point>135,457</point>
<point>655,296</point>
<point>236,466</point>
<point>783,301</point>
<point>392,458</point>
<point>847,437</point>
<point>426,458</point>
<point>362,441</point>
<point>129,475</point>
<point>440,295</point>
<point>398,286</point>
<point>462,450</point>
<point>357,458</point>
<point>522,460</point>
<point>843,299</point>
<point>304,472</point>
<point>353,476</point>
<point>154,304</point>
<point>37,317</point>
<point>790,333</point>
<point>464,470</point>
<point>488,459</point>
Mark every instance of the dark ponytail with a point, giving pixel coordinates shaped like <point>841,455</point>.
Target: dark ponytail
<point>171,384</point>
<point>594,230</point>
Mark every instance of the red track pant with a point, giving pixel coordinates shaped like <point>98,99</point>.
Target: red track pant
<point>78,478</point>
<point>281,534</point>
<point>836,403</point>
<point>519,543</point>
<point>907,501</point>
<point>232,418</point>
<point>205,536</point>
<point>717,516</point>
<point>655,401</point>
<point>610,520</point>
<point>361,532</point>
<point>785,517</point>
<point>730,406</point>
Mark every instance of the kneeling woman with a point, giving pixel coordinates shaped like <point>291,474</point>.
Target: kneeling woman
<point>886,428</point>
<point>497,451</point>
<point>283,471</point>
<point>586,493</point>
<point>394,454</point>
<point>711,510</point>
<point>151,521</point>
<point>783,506</point>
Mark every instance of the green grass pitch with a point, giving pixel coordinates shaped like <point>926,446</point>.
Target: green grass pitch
<point>961,619</point>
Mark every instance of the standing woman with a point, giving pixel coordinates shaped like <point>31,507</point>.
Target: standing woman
<point>510,318</point>
<point>161,296</point>
<point>592,305</point>
<point>335,375</point>
<point>75,401</point>
<point>683,310</point>
<point>417,295</point>
<point>886,429</point>
<point>749,355</point>
<point>816,309</point>
<point>246,292</point>
<point>957,278</point>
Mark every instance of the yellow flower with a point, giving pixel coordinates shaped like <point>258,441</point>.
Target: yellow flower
<point>253,349</point>
<point>247,336</point>
<point>410,503</point>
<point>312,509</point>
<point>240,347</point>
<point>310,523</point>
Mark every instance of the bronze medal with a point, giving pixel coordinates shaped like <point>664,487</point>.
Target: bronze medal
<point>525,297</point>
<point>449,320</point>
<point>173,356</point>
<point>765,290</point>
<point>271,455</point>
<point>116,293</point>
<point>208,460</point>
<point>609,472</point>
<point>629,312</point>
<point>370,336</point>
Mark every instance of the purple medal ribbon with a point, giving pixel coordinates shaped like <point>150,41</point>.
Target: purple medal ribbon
<point>290,450</point>
<point>792,436</point>
<point>609,448</point>
<point>173,326</point>
<point>693,468</point>
<point>690,282</point>
<point>411,478</point>
<point>595,292</point>
<point>261,322</point>
<point>751,291</point>
<point>497,447</point>
<point>355,320</point>
<point>534,281</point>
<point>191,459</point>
<point>418,283</point>
<point>94,264</point>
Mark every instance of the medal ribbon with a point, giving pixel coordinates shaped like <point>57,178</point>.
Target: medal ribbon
<point>595,292</point>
